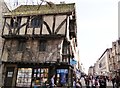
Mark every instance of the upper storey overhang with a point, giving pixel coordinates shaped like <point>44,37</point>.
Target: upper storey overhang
<point>25,10</point>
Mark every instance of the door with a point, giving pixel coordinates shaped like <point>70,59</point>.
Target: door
<point>9,77</point>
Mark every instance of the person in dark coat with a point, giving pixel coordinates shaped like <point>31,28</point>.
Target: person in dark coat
<point>102,82</point>
<point>87,81</point>
<point>117,79</point>
<point>52,84</point>
<point>113,82</point>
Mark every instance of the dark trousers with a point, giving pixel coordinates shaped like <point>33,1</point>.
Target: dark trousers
<point>113,83</point>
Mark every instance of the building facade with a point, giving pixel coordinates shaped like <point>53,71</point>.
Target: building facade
<point>39,41</point>
<point>115,58</point>
<point>3,8</point>
<point>102,64</point>
<point>91,70</point>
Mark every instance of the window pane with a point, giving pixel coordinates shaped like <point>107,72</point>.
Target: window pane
<point>36,21</point>
<point>24,77</point>
<point>21,45</point>
<point>40,76</point>
<point>15,22</point>
<point>42,46</point>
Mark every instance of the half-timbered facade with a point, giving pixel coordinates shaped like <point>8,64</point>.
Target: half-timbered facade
<point>3,8</point>
<point>39,41</point>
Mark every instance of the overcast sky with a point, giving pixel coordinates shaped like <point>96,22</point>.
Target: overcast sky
<point>97,26</point>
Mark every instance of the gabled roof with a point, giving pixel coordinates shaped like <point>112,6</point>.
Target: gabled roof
<point>25,10</point>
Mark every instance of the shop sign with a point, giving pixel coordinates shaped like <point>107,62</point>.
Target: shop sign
<point>73,62</point>
<point>9,74</point>
<point>62,71</point>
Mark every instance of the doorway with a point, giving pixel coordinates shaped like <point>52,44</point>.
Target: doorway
<point>9,77</point>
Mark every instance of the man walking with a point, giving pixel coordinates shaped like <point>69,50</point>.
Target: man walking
<point>52,84</point>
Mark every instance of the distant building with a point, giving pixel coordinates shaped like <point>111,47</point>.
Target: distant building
<point>114,63</point>
<point>109,62</point>
<point>91,70</point>
<point>101,65</point>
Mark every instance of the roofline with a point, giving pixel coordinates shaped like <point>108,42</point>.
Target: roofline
<point>6,6</point>
<point>104,53</point>
<point>12,15</point>
<point>22,13</point>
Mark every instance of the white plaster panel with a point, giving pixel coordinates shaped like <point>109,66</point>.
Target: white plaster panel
<point>6,29</point>
<point>59,20</point>
<point>49,20</point>
<point>22,30</point>
<point>29,30</point>
<point>44,30</point>
<point>62,29</point>
<point>37,31</point>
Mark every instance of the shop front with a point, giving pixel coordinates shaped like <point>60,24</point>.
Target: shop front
<point>36,75</point>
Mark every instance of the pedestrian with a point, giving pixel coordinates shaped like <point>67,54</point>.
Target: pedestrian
<point>113,82</point>
<point>94,83</point>
<point>117,79</point>
<point>87,81</point>
<point>52,84</point>
<point>102,82</point>
<point>78,84</point>
<point>74,83</point>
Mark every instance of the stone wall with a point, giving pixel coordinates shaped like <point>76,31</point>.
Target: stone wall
<point>31,53</point>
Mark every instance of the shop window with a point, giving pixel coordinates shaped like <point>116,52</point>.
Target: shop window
<point>44,73</point>
<point>62,77</point>
<point>24,77</point>
<point>40,76</point>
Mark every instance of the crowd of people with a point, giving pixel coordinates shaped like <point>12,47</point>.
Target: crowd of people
<point>98,81</point>
<point>91,82</point>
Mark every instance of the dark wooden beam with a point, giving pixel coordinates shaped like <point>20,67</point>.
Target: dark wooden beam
<point>53,27</point>
<point>58,28</point>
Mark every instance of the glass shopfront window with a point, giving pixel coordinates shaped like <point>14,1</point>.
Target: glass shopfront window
<point>62,77</point>
<point>24,77</point>
<point>40,76</point>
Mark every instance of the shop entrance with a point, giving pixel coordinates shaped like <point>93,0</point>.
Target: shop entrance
<point>9,77</point>
<point>62,77</point>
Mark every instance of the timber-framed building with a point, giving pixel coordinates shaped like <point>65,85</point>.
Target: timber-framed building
<point>39,41</point>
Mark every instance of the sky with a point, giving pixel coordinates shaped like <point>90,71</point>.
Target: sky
<point>97,26</point>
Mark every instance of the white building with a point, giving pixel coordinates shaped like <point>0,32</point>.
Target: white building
<point>91,70</point>
<point>102,66</point>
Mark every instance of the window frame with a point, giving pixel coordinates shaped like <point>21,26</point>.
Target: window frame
<point>42,45</point>
<point>40,75</point>
<point>21,45</point>
<point>36,21</point>
<point>24,74</point>
<point>15,22</point>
